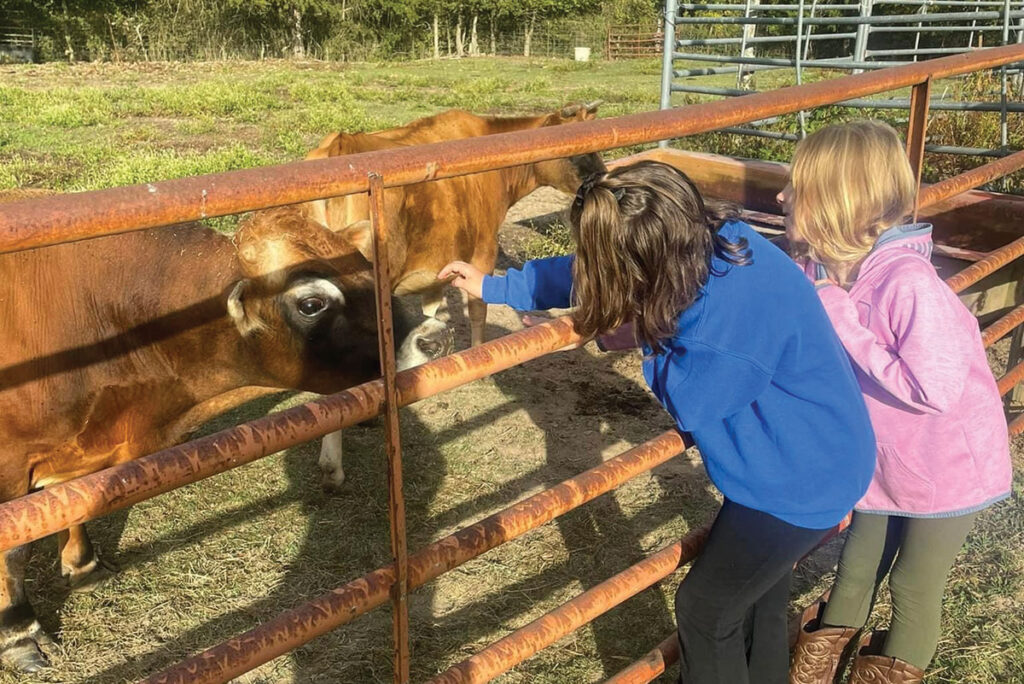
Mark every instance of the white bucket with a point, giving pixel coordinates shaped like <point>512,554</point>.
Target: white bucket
<point>582,54</point>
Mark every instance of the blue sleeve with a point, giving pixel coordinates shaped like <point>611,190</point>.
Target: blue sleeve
<point>540,284</point>
<point>706,384</point>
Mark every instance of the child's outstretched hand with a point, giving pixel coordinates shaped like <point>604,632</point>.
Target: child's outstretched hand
<point>468,277</point>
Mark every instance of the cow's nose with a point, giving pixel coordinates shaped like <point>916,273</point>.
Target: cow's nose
<point>437,342</point>
<point>430,340</point>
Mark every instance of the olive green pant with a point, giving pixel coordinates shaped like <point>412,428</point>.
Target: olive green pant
<point>923,550</point>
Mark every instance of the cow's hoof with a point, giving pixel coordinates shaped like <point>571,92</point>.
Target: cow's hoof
<point>90,580</point>
<point>331,480</point>
<point>26,653</point>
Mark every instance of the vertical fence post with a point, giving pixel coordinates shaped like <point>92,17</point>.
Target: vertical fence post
<point>917,35</point>
<point>810,30</point>
<point>747,50</point>
<point>916,129</point>
<point>798,63</point>
<point>1003,131</point>
<point>860,44</point>
<point>396,500</point>
<point>667,60</point>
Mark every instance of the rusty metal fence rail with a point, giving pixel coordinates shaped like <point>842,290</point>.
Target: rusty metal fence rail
<point>52,220</point>
<point>63,218</point>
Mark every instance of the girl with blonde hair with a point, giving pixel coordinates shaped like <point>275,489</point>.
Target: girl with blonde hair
<point>739,351</point>
<point>943,452</point>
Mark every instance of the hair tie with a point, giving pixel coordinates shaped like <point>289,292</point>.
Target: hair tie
<point>588,184</point>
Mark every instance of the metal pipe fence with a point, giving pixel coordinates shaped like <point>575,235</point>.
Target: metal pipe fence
<point>299,625</point>
<point>51,220</point>
<point>946,31</point>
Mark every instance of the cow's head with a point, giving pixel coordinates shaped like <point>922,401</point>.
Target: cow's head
<point>306,306</point>
<point>567,174</point>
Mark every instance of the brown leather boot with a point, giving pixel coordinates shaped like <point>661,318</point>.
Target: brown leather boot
<point>818,650</point>
<point>871,668</point>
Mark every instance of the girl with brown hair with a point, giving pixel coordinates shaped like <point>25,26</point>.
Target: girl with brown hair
<point>739,351</point>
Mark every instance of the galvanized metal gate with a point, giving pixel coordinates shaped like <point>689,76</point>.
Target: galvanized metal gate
<point>52,220</point>
<point>846,31</point>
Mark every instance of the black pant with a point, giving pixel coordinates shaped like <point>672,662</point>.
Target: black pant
<point>731,607</point>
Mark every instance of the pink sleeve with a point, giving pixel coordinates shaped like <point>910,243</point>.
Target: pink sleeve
<point>928,367</point>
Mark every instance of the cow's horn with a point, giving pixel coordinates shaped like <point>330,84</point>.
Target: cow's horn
<point>591,107</point>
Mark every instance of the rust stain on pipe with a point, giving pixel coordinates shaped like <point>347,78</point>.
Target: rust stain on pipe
<point>991,263</point>
<point>297,626</point>
<point>513,649</point>
<point>920,97</point>
<point>50,510</point>
<point>972,179</point>
<point>651,665</point>
<point>1017,425</point>
<point>1012,377</point>
<point>34,223</point>
<point>1004,325</point>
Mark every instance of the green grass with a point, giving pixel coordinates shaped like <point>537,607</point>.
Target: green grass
<point>106,125</point>
<point>92,126</point>
<point>213,559</point>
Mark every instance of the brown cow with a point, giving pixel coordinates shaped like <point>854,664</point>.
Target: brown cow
<point>437,222</point>
<point>120,346</point>
<point>433,223</point>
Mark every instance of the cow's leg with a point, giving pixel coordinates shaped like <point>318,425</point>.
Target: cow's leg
<point>485,257</point>
<point>477,320</point>
<point>21,636</point>
<point>81,568</point>
<point>331,472</point>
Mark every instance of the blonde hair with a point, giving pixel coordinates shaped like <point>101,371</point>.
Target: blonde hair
<point>850,183</point>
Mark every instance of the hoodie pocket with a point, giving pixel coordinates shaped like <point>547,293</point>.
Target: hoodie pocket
<point>903,479</point>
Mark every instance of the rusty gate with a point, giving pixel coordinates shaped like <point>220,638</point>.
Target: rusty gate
<point>40,222</point>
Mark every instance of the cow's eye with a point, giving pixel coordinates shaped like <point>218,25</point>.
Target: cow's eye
<point>311,306</point>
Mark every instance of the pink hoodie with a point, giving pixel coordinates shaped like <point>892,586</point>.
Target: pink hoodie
<point>917,352</point>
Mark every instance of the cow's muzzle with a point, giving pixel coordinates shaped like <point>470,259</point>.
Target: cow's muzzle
<point>430,340</point>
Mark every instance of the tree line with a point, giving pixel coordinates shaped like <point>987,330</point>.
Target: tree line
<point>76,30</point>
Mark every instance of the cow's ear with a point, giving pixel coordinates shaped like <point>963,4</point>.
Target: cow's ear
<point>318,212</point>
<point>416,281</point>
<point>246,324</point>
<point>569,111</point>
<point>360,235</point>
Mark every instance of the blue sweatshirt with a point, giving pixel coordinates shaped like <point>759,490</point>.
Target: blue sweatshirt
<point>756,374</point>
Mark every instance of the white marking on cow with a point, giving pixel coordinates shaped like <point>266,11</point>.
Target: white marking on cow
<point>315,287</point>
<point>330,460</point>
<point>411,353</point>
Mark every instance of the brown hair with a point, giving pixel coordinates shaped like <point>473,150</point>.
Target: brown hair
<point>850,183</point>
<point>645,238</point>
